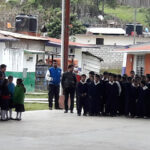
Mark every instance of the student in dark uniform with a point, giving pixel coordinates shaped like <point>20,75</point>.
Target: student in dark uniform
<point>90,83</point>
<point>133,97</point>
<point>91,76</point>
<point>5,98</point>
<point>111,96</point>
<point>82,90</point>
<point>117,81</point>
<point>141,103</point>
<point>127,89</point>
<point>3,70</point>
<point>98,96</point>
<point>123,95</point>
<point>148,100</point>
<point>105,80</point>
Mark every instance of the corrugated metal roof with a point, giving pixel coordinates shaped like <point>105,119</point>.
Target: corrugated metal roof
<point>110,31</point>
<point>4,38</point>
<point>22,36</point>
<point>90,54</point>
<point>145,47</point>
<point>57,42</point>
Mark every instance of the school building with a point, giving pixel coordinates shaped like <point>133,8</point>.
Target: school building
<point>19,52</point>
<point>137,58</point>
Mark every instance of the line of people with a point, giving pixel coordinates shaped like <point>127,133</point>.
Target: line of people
<point>111,95</point>
<point>108,94</point>
<point>11,96</point>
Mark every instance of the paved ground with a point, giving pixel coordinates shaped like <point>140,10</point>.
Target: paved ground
<point>54,130</point>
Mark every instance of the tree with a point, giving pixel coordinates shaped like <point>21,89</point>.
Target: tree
<point>54,25</point>
<point>147,17</point>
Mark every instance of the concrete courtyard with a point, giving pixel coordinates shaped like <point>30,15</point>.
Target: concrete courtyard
<point>54,130</point>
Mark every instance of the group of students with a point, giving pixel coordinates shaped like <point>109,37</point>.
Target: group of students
<point>112,95</point>
<point>11,96</point>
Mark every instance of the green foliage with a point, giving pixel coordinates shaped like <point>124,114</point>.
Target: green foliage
<point>13,3</point>
<point>112,3</point>
<point>54,24</point>
<point>147,17</point>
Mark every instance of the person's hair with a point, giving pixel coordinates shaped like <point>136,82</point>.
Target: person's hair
<point>70,66</point>
<point>132,71</point>
<point>105,73</point>
<point>119,76</point>
<point>129,79</point>
<point>10,77</point>
<point>148,76</point>
<point>54,61</point>
<point>111,75</point>
<point>114,75</point>
<point>143,82</point>
<point>83,75</point>
<point>97,76</point>
<point>19,80</point>
<point>3,66</point>
<point>5,82</point>
<point>92,73</point>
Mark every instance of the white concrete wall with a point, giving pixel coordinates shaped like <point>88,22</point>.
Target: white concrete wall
<point>29,45</point>
<point>108,40</point>
<point>2,47</point>
<point>13,59</point>
<point>78,56</point>
<point>29,63</point>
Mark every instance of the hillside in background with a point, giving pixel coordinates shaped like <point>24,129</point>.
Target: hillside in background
<point>87,11</point>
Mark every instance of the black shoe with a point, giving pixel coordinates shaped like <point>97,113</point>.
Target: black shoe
<point>66,111</point>
<point>84,114</point>
<point>50,108</point>
<point>18,119</point>
<point>71,111</point>
<point>79,114</point>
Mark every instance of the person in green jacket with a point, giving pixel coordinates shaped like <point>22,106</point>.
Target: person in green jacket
<point>18,99</point>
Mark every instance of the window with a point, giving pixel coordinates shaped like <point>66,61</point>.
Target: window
<point>99,41</point>
<point>140,65</point>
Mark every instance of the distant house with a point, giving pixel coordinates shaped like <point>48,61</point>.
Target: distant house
<point>137,58</point>
<point>106,40</point>
<point>20,53</point>
<point>86,61</point>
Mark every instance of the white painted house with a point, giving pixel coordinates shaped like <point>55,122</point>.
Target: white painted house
<point>86,60</point>
<point>20,56</point>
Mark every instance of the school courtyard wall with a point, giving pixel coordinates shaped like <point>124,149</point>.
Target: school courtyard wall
<point>112,60</point>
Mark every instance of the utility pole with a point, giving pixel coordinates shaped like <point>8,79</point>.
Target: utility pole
<point>135,15</point>
<point>65,34</point>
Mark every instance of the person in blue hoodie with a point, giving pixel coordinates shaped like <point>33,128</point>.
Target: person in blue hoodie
<point>53,75</point>
<point>11,89</point>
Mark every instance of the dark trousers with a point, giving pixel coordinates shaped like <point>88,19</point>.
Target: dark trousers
<point>69,92</point>
<point>132,107</point>
<point>53,92</point>
<point>111,106</point>
<point>82,104</point>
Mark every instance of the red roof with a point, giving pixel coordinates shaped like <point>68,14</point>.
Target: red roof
<point>58,41</point>
<point>136,48</point>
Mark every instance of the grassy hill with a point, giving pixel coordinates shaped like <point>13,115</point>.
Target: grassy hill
<point>126,14</point>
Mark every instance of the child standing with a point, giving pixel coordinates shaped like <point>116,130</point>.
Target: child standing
<point>133,97</point>
<point>82,90</point>
<point>98,96</point>
<point>18,99</point>
<point>5,98</point>
<point>11,88</point>
<point>112,92</point>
